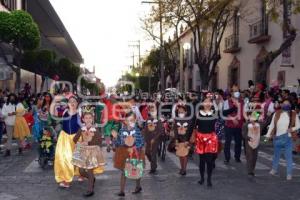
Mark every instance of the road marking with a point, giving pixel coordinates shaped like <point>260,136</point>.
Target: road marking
<point>282,162</point>
<point>175,160</point>
<point>110,163</point>
<point>34,166</point>
<point>4,196</point>
<point>259,165</point>
<point>193,166</point>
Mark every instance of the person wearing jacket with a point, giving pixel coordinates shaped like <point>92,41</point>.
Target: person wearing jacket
<point>283,127</point>
<point>233,112</point>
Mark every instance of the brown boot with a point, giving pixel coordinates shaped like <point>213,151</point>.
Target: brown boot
<point>7,153</point>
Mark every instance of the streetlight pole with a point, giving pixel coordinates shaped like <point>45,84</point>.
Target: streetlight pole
<point>162,71</point>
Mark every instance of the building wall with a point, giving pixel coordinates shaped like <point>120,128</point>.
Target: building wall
<point>249,52</point>
<point>29,77</point>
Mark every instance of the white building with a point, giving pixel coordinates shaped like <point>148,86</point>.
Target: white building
<point>248,37</point>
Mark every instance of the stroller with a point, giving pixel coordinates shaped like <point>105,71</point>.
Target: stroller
<point>46,148</point>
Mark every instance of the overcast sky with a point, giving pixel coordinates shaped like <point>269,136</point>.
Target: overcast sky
<point>102,29</point>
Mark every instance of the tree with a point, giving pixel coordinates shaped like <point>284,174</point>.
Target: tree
<point>67,70</point>
<point>207,21</point>
<point>19,30</point>
<point>171,48</point>
<point>151,66</point>
<point>40,62</point>
<point>274,9</point>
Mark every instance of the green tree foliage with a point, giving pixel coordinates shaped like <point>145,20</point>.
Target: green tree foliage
<point>18,29</point>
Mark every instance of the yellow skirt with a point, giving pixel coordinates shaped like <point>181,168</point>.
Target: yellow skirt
<point>64,170</point>
<point>21,129</point>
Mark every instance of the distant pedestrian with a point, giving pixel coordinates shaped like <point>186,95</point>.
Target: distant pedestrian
<point>9,115</point>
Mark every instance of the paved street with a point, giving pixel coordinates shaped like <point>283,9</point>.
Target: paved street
<point>21,178</point>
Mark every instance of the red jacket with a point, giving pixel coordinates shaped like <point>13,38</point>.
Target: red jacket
<point>236,115</point>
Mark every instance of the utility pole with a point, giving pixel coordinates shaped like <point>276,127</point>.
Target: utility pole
<point>138,45</point>
<point>162,70</point>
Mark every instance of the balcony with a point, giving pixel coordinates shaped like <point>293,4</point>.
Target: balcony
<point>259,33</point>
<point>232,44</point>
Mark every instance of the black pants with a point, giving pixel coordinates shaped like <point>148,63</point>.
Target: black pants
<point>251,156</point>
<point>236,134</point>
<point>151,154</point>
<point>206,160</point>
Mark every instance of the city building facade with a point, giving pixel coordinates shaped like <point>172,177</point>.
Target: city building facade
<point>249,36</point>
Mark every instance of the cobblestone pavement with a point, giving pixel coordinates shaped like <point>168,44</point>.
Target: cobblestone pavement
<point>21,178</point>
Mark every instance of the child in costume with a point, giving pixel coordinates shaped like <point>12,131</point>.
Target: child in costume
<point>251,133</point>
<point>183,129</point>
<point>127,140</point>
<point>152,134</point>
<point>88,154</point>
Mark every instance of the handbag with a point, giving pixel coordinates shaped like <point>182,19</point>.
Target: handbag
<point>134,167</point>
<point>77,158</point>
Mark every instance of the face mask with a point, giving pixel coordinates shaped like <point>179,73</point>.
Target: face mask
<point>181,115</point>
<point>286,107</point>
<point>131,124</point>
<point>236,95</point>
<point>153,114</point>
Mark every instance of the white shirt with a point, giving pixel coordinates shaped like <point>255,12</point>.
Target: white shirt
<point>271,108</point>
<point>283,125</point>
<point>9,120</point>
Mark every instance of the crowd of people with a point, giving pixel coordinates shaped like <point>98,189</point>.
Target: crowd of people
<point>134,128</point>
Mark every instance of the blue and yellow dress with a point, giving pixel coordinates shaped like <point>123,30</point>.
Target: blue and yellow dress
<point>63,168</point>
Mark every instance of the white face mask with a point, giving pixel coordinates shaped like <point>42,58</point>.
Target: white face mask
<point>131,124</point>
<point>236,95</point>
<point>181,115</point>
<point>153,114</point>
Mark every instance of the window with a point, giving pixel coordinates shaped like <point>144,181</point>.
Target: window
<point>234,72</point>
<point>281,78</point>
